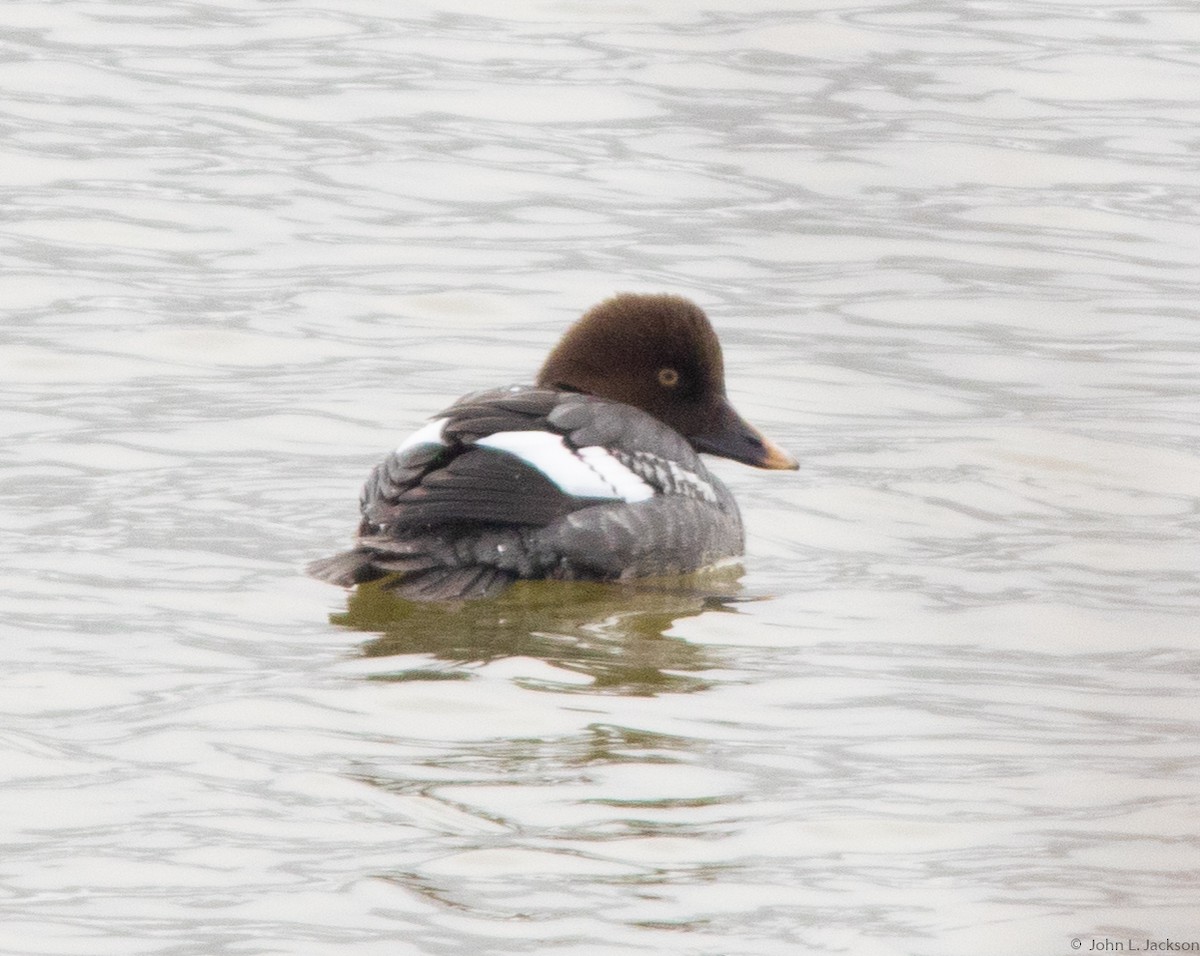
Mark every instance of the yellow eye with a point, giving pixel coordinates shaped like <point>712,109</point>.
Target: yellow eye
<point>668,377</point>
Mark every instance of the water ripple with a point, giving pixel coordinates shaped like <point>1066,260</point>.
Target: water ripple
<point>948,704</point>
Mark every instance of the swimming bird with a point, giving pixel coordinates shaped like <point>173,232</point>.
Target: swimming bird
<point>592,473</point>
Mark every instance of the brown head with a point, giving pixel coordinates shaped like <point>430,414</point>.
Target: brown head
<point>659,353</point>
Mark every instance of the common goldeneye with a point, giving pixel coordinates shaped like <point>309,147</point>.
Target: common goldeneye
<point>591,474</point>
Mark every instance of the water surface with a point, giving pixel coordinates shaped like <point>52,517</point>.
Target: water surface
<point>949,703</point>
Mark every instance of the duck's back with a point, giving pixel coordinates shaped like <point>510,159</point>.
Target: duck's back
<point>536,483</point>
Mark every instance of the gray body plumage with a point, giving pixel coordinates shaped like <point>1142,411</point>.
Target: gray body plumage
<point>450,518</point>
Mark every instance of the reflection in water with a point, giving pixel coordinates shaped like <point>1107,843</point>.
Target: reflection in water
<point>502,812</point>
<point>613,633</point>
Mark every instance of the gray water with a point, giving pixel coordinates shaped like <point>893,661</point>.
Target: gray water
<point>949,704</point>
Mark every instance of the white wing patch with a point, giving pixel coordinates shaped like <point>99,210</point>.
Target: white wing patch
<point>589,473</point>
<point>428,434</point>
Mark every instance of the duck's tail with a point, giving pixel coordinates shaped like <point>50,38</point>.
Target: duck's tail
<point>356,566</point>
<point>413,576</point>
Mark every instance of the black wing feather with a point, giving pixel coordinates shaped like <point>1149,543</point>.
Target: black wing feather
<point>480,485</point>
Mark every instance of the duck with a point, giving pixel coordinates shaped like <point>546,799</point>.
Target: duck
<point>592,473</point>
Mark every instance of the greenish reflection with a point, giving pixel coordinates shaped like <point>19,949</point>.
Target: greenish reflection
<point>613,633</point>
